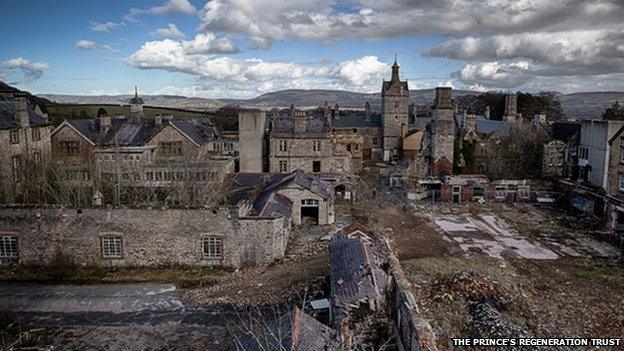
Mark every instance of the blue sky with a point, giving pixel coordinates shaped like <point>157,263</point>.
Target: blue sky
<point>243,48</point>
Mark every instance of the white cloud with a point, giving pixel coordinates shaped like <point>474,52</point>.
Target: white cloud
<point>104,92</point>
<point>171,31</point>
<point>495,74</point>
<point>30,70</point>
<point>173,6</point>
<point>366,70</point>
<point>102,27</point>
<point>91,45</point>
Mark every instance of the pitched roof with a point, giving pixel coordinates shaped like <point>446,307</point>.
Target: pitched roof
<point>351,271</point>
<point>7,115</point>
<point>302,179</point>
<point>357,119</point>
<point>124,133</point>
<point>310,334</point>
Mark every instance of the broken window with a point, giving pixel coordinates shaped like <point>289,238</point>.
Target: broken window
<point>8,247</point>
<point>14,136</point>
<point>309,203</point>
<point>112,247</point>
<point>316,166</point>
<point>212,247</point>
<point>478,192</point>
<point>622,150</point>
<point>69,148</point>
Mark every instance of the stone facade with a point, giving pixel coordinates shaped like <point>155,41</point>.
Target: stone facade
<point>149,237</point>
<point>615,171</point>
<point>302,141</point>
<point>394,111</point>
<point>25,143</point>
<point>252,126</point>
<point>443,133</point>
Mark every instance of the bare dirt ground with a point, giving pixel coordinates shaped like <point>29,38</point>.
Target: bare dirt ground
<point>543,272</point>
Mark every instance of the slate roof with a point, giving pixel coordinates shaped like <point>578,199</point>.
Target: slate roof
<point>357,119</point>
<point>300,178</point>
<point>315,124</point>
<point>310,334</point>
<point>388,85</point>
<point>7,115</point>
<point>124,133</point>
<point>351,271</point>
<point>487,126</point>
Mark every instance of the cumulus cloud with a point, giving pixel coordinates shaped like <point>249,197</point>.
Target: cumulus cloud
<point>561,38</point>
<point>495,75</point>
<point>171,31</point>
<point>366,70</point>
<point>102,27</point>
<point>91,45</point>
<point>30,70</point>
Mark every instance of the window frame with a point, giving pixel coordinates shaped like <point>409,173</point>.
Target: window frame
<point>70,147</point>
<point>283,166</point>
<point>105,246</point>
<point>36,134</point>
<point>14,136</point>
<point>282,145</point>
<point>12,240</point>
<point>621,182</point>
<point>212,247</point>
<point>16,162</point>
<point>316,145</point>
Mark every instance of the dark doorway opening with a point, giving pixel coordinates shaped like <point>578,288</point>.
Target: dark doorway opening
<point>309,211</point>
<point>316,166</point>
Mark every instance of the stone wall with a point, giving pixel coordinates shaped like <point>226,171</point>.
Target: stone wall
<point>414,333</point>
<point>300,154</point>
<point>151,237</point>
<point>296,194</point>
<point>251,126</point>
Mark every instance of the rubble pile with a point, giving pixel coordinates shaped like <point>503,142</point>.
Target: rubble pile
<point>469,285</point>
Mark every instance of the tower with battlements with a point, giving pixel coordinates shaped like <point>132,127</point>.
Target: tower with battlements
<point>394,113</point>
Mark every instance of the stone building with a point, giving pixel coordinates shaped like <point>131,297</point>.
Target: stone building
<point>593,150</point>
<point>25,142</point>
<point>141,152</point>
<point>511,114</point>
<point>142,237</point>
<point>300,140</point>
<point>443,132</point>
<point>394,111</point>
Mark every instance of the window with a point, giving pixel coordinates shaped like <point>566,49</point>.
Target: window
<point>317,145</point>
<point>354,130</point>
<point>283,166</point>
<point>15,168</point>
<point>396,104</point>
<point>36,134</point>
<point>283,145</point>
<point>112,247</point>
<point>37,156</point>
<point>171,148</point>
<point>622,150</point>
<point>212,247</point>
<point>316,166</point>
<point>69,148</point>
<point>584,153</point>
<point>621,182</point>
<point>478,191</point>
<point>14,136</point>
<point>309,203</point>
<point>375,141</point>
<point>8,247</point>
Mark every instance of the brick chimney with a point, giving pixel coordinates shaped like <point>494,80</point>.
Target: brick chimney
<point>158,120</point>
<point>337,111</point>
<point>21,112</point>
<point>105,123</point>
<point>301,123</point>
<point>367,111</point>
<point>443,98</point>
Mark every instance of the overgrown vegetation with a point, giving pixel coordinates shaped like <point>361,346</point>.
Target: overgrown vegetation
<point>529,105</point>
<point>614,112</point>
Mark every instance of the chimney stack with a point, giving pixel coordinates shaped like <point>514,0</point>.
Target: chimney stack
<point>301,123</point>
<point>158,120</point>
<point>337,111</point>
<point>21,112</point>
<point>486,113</point>
<point>367,111</point>
<point>327,110</point>
<point>105,123</point>
<point>443,98</point>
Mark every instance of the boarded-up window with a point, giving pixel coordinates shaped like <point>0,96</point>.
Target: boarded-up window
<point>171,148</point>
<point>70,147</point>
<point>212,247</point>
<point>14,136</point>
<point>8,247</point>
<point>112,247</point>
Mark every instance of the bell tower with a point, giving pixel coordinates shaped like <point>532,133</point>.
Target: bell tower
<point>394,112</point>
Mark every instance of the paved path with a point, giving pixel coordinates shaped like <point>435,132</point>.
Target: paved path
<point>106,305</point>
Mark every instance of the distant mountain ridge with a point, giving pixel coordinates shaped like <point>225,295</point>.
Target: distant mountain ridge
<point>575,105</point>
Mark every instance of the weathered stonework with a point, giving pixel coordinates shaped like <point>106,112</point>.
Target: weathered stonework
<point>151,237</point>
<point>394,110</point>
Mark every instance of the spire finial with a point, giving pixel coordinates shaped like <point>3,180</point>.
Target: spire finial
<point>395,58</point>
<point>136,91</point>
